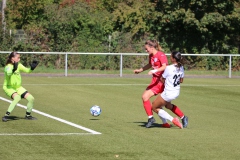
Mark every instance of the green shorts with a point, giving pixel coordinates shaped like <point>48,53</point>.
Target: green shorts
<point>20,90</point>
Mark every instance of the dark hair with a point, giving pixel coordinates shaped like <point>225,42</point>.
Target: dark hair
<point>155,44</point>
<point>11,55</point>
<point>177,55</point>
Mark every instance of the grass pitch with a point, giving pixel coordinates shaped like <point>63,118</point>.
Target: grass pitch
<point>212,106</point>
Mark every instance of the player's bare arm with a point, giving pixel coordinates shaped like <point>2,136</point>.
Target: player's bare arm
<point>181,80</point>
<point>146,67</point>
<point>162,79</point>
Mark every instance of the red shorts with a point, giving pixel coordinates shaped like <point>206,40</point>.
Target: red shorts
<point>156,86</point>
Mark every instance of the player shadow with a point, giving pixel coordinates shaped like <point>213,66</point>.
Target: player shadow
<point>13,118</point>
<point>154,125</point>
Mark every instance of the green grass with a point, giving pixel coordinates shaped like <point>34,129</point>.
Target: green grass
<point>41,69</point>
<point>211,104</point>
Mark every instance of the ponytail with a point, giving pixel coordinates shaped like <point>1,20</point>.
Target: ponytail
<point>11,55</point>
<point>155,44</point>
<point>177,55</point>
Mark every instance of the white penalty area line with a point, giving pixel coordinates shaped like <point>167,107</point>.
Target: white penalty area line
<point>55,118</point>
<point>43,134</point>
<point>210,85</point>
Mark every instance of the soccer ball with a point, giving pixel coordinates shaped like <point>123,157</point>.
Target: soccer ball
<point>95,110</point>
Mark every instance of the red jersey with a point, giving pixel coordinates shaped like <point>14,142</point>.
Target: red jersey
<point>157,61</point>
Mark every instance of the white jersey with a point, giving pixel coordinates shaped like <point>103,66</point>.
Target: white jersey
<point>172,75</point>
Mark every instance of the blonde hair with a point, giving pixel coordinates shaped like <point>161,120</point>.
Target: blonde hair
<point>155,44</point>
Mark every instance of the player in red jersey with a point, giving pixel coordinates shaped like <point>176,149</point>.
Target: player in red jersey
<point>158,62</point>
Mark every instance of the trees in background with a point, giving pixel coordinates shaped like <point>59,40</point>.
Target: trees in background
<point>190,26</point>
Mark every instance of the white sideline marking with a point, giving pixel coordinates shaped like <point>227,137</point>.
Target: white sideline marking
<point>43,134</point>
<point>56,118</point>
<point>210,85</point>
<point>197,85</point>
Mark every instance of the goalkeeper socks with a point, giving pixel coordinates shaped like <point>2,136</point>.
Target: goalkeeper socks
<point>148,107</point>
<point>16,99</point>
<point>30,99</point>
<point>7,113</point>
<point>28,114</point>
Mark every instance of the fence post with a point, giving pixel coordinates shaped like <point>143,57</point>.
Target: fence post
<point>121,60</point>
<point>66,64</point>
<point>230,66</point>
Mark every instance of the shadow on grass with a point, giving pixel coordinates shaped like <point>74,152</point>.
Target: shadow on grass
<point>94,119</point>
<point>154,125</point>
<point>13,118</point>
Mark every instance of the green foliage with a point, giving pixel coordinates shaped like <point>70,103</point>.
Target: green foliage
<point>22,12</point>
<point>190,26</point>
<point>193,25</point>
<point>5,45</point>
<point>77,28</point>
<point>130,17</point>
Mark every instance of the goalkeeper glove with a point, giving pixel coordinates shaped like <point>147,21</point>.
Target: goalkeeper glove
<point>34,65</point>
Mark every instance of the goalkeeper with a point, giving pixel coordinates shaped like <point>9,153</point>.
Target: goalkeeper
<point>12,84</point>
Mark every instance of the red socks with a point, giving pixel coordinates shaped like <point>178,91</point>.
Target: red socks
<point>148,107</point>
<point>177,111</point>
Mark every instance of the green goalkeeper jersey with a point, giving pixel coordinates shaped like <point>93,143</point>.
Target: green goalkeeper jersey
<point>14,80</point>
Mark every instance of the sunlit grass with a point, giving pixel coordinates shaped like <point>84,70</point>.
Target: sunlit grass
<point>210,104</point>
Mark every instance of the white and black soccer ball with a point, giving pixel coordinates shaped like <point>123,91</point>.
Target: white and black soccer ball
<point>95,110</point>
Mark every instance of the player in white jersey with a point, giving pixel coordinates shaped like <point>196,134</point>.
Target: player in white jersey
<point>172,77</point>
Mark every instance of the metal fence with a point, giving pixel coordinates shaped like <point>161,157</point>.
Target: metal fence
<point>122,56</point>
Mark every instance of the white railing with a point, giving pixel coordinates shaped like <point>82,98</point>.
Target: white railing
<point>125,54</point>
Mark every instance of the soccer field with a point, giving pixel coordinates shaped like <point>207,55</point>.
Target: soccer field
<point>65,129</point>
